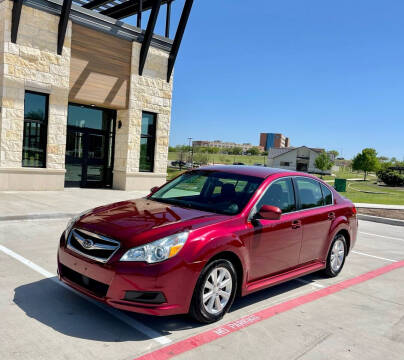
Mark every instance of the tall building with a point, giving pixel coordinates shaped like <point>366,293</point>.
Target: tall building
<point>271,140</point>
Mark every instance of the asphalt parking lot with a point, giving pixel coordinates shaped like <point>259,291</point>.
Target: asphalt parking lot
<point>358,315</point>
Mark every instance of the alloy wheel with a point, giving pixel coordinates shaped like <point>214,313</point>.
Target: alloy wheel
<point>217,290</point>
<point>337,255</point>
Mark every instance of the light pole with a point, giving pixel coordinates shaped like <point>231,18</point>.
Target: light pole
<point>191,150</point>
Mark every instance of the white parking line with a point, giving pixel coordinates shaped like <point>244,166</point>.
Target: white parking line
<point>382,236</point>
<point>372,256</point>
<point>145,330</point>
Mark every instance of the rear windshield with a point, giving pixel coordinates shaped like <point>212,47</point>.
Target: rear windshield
<point>212,191</point>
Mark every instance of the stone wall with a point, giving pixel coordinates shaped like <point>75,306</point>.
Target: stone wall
<point>32,64</point>
<point>150,92</point>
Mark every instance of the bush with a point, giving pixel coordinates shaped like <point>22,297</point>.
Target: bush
<point>391,178</point>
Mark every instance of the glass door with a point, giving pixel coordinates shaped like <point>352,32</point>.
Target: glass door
<point>89,147</point>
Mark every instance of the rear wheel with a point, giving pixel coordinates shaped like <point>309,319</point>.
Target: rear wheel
<point>214,292</point>
<point>336,256</point>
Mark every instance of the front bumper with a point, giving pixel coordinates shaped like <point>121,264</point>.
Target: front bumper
<point>110,282</point>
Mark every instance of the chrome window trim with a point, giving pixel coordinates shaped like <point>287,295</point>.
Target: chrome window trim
<point>99,246</point>
<point>253,210</point>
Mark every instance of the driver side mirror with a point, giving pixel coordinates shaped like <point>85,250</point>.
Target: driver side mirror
<point>154,189</point>
<point>269,212</point>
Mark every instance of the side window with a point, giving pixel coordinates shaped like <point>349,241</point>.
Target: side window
<point>280,193</point>
<point>327,195</point>
<point>309,192</point>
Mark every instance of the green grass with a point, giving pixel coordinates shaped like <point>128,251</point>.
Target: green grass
<point>224,159</point>
<point>172,173</point>
<point>390,195</point>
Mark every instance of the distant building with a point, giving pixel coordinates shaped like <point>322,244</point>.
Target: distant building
<point>295,158</point>
<point>271,140</point>
<point>223,145</point>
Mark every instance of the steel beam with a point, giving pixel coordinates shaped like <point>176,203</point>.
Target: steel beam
<point>178,37</point>
<point>139,14</point>
<point>63,21</point>
<point>148,34</point>
<point>15,19</point>
<point>95,3</point>
<point>168,18</point>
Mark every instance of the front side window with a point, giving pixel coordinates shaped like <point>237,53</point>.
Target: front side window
<point>35,130</point>
<point>309,192</point>
<point>147,142</point>
<point>280,194</point>
<point>212,191</point>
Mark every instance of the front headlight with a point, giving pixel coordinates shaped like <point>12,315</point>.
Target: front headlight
<point>157,251</point>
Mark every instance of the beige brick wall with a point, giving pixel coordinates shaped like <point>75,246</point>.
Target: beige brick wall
<point>152,93</point>
<point>32,64</point>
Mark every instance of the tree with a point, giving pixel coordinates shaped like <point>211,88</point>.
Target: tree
<point>323,162</point>
<point>253,151</point>
<point>333,154</point>
<point>235,151</point>
<point>366,161</point>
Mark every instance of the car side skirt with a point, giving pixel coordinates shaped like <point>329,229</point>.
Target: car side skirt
<point>283,277</point>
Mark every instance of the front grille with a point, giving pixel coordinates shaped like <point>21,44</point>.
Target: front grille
<point>97,288</point>
<point>92,246</point>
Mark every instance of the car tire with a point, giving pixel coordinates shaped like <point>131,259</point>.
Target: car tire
<point>211,300</point>
<point>336,256</point>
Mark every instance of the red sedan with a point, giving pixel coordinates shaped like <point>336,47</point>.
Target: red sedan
<point>210,234</point>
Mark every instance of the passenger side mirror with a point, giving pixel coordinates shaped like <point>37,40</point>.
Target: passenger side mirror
<point>269,212</point>
<point>154,189</point>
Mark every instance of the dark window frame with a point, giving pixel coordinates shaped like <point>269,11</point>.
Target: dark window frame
<point>254,209</point>
<point>151,137</point>
<point>44,122</point>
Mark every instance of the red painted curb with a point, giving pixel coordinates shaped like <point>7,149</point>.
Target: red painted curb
<point>195,341</point>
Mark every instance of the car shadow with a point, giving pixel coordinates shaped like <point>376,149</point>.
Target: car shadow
<point>66,312</point>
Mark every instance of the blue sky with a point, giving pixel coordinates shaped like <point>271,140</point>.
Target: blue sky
<point>325,73</point>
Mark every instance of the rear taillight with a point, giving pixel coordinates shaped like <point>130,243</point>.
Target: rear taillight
<point>354,211</point>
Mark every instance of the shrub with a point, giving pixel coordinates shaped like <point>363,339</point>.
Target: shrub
<point>390,177</point>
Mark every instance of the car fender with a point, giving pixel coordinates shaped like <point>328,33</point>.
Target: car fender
<point>340,223</point>
<point>212,243</point>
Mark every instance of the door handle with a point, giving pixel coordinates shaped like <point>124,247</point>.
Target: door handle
<point>296,224</point>
<point>331,216</point>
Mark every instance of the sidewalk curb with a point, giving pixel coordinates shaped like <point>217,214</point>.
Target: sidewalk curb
<point>37,217</point>
<point>381,220</point>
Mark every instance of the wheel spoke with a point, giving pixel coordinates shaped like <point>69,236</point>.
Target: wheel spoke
<point>218,304</point>
<point>208,285</point>
<point>210,304</point>
<point>207,296</point>
<point>224,283</point>
<point>224,294</point>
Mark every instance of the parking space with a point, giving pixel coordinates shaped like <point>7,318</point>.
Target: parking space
<point>43,319</point>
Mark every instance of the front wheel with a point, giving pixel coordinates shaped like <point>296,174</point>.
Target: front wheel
<point>214,292</point>
<point>336,256</point>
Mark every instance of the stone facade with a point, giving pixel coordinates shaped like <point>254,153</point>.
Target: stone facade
<point>149,92</point>
<point>32,64</point>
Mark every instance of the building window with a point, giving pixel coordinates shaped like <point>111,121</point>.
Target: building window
<point>35,130</point>
<point>147,142</point>
<point>285,163</point>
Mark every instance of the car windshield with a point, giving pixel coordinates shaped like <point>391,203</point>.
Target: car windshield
<point>212,191</point>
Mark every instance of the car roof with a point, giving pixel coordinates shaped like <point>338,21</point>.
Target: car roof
<point>257,171</point>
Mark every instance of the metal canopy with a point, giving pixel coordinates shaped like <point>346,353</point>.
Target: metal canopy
<point>119,9</point>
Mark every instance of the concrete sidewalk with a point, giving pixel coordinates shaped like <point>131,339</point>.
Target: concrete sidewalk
<point>379,206</point>
<point>57,204</point>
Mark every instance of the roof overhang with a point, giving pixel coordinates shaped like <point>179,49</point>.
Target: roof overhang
<point>102,15</point>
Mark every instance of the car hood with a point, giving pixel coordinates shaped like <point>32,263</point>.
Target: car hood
<point>137,222</point>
